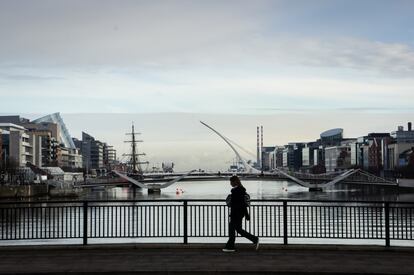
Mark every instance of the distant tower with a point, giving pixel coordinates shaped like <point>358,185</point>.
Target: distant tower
<point>261,146</point>
<point>258,148</point>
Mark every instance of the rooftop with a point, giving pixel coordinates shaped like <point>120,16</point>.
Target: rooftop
<point>332,132</point>
<point>11,125</point>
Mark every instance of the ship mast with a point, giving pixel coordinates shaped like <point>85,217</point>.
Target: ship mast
<point>136,164</point>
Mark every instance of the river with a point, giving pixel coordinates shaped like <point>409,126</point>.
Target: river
<point>258,189</point>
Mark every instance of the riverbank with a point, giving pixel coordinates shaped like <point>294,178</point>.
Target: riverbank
<point>23,191</point>
<point>205,259</point>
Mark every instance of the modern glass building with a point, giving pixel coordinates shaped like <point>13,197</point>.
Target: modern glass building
<point>64,135</point>
<point>332,137</point>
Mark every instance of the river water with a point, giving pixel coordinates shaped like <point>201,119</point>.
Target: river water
<point>257,189</point>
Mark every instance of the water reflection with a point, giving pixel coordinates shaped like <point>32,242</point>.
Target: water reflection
<point>258,189</point>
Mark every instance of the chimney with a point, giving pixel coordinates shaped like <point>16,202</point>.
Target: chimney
<point>400,128</point>
<point>261,146</point>
<point>409,126</point>
<point>258,148</point>
<point>261,137</point>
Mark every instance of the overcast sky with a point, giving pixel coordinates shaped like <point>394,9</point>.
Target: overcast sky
<point>205,56</point>
<point>325,58</point>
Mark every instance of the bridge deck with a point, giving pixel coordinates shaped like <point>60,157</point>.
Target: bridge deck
<point>205,259</point>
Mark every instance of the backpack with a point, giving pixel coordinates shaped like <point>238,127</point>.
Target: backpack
<point>246,200</point>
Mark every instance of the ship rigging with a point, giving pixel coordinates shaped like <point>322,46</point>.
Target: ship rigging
<point>135,165</point>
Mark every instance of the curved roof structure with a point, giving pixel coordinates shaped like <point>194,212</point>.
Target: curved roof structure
<point>332,132</point>
<point>65,137</point>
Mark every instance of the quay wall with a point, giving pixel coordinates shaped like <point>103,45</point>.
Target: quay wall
<point>22,191</point>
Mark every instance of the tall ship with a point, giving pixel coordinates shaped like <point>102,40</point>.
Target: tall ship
<point>135,164</point>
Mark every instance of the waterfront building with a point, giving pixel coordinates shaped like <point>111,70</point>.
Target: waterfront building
<point>313,153</point>
<point>307,156</point>
<point>310,156</point>
<point>402,136</point>
<point>397,154</point>
<point>356,154</point>
<point>319,156</point>
<point>20,146</point>
<point>17,120</point>
<point>109,156</point>
<point>41,133</point>
<point>5,136</point>
<point>69,159</point>
<point>370,152</point>
<point>338,158</point>
<point>49,138</point>
<point>398,149</point>
<point>278,157</point>
<point>374,151</point>
<point>63,152</point>
<point>407,157</point>
<point>1,152</point>
<point>292,156</point>
<point>47,134</point>
<point>332,137</point>
<point>63,133</point>
<point>91,150</point>
<point>267,157</point>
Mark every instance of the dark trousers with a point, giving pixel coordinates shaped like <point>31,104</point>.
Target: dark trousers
<point>236,225</point>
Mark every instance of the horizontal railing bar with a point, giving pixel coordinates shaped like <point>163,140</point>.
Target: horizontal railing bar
<point>202,200</point>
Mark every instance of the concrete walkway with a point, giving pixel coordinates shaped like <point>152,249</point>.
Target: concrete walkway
<point>205,259</point>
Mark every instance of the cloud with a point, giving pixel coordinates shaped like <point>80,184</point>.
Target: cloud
<point>192,56</point>
<point>27,77</point>
<point>96,32</point>
<point>205,91</point>
<point>187,34</point>
<point>358,54</point>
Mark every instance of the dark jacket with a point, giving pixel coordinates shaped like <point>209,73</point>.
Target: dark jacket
<point>238,204</point>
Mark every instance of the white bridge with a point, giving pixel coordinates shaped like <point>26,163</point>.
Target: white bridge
<point>152,187</point>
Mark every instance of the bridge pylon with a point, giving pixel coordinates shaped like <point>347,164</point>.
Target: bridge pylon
<point>247,167</point>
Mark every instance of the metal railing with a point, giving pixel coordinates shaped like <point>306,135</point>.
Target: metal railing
<point>184,219</point>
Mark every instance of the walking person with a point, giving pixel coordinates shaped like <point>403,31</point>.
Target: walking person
<point>238,210</point>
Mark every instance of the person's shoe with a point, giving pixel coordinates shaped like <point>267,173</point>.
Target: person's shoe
<point>228,250</point>
<point>257,243</point>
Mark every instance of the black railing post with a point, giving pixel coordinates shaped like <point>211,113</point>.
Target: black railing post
<point>387,223</point>
<point>285,225</point>
<point>85,223</point>
<point>185,223</point>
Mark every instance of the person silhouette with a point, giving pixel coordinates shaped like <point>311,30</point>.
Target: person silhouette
<point>238,210</point>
